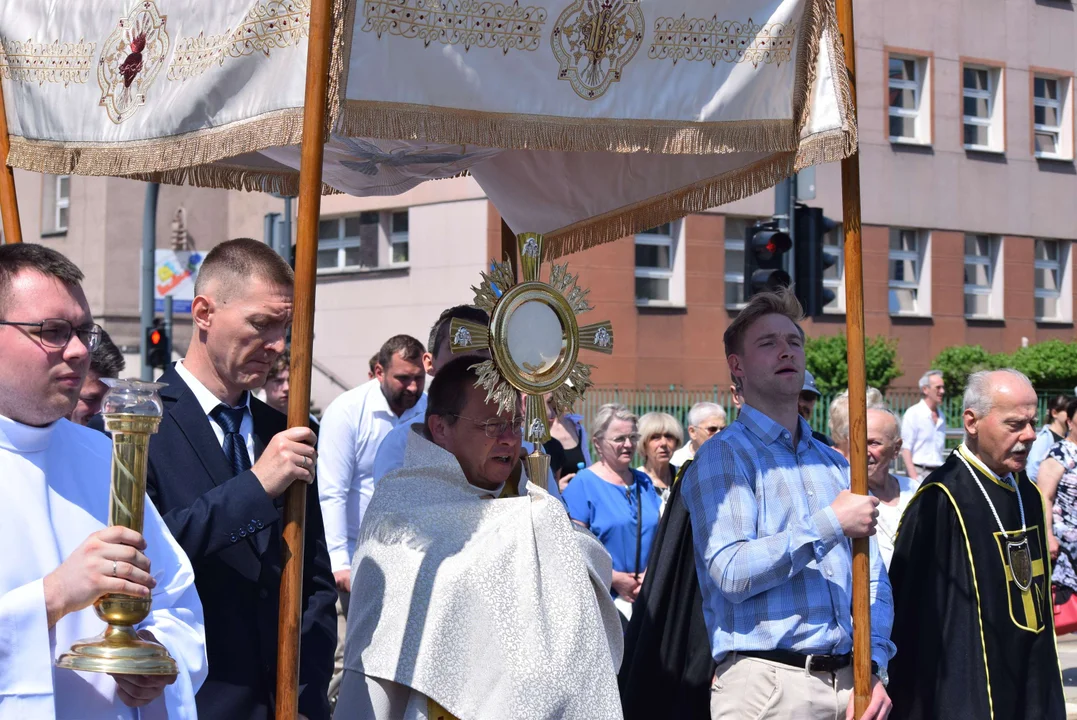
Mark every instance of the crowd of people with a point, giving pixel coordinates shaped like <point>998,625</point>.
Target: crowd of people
<point>659,570</point>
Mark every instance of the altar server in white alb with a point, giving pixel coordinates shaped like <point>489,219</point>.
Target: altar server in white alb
<point>59,556</point>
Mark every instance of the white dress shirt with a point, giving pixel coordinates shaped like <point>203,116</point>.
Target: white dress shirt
<point>353,428</point>
<point>923,437</point>
<point>208,401</point>
<point>682,455</point>
<point>890,516</point>
<point>54,488</point>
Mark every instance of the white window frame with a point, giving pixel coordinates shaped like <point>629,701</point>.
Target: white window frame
<point>63,202</point>
<point>397,238</point>
<point>1064,294</point>
<point>995,120</point>
<point>675,274</point>
<point>921,87</point>
<point>837,307</point>
<point>53,201</point>
<point>922,284</point>
<point>1063,132</point>
<point>995,269</point>
<point>386,240</point>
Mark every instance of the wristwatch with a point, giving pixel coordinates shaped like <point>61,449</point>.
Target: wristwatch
<point>880,672</point>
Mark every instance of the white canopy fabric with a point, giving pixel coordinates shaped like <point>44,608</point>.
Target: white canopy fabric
<point>585,120</point>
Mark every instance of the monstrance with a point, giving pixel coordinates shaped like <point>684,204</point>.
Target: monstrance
<point>534,342</point>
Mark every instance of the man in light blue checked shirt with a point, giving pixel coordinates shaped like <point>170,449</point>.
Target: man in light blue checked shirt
<point>772,516</point>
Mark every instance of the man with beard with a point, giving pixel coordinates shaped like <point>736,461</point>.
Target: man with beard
<point>353,428</point>
<point>218,471</point>
<point>973,616</point>
<point>467,604</point>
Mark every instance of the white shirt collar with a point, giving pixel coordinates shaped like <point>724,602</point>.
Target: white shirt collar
<point>20,438</point>
<point>206,399</point>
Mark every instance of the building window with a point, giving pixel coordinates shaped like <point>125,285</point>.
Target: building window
<point>834,276</point>
<point>1052,117</point>
<point>365,241</point>
<point>654,264</point>
<point>909,111</point>
<point>398,237</point>
<point>983,296</point>
<point>982,109</point>
<point>910,281</point>
<point>736,230</point>
<point>55,203</point>
<point>1053,286</point>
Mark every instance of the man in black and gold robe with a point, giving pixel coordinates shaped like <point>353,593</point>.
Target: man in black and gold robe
<point>971,574</point>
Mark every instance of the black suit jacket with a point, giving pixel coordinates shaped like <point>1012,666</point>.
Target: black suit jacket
<point>231,530</point>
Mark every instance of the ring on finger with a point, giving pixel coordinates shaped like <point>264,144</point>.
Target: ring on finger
<point>114,568</point>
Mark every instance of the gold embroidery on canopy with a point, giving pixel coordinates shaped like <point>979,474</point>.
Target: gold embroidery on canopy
<point>131,57</point>
<point>593,41</point>
<point>464,22</point>
<point>55,62</point>
<point>268,25</point>
<point>700,39</point>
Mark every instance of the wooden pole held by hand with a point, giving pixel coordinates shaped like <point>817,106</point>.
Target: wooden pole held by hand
<point>858,431</point>
<point>310,199</point>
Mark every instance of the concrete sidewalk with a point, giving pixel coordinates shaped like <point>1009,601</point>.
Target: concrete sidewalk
<point>1067,656</point>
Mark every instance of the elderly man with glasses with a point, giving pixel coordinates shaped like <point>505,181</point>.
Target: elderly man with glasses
<point>705,420</point>
<point>467,600</point>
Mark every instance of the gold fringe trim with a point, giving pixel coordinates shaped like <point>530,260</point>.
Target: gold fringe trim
<point>703,195</point>
<point>225,177</point>
<point>185,152</point>
<point>512,131</point>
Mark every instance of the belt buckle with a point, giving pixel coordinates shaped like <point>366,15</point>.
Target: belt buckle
<point>807,664</point>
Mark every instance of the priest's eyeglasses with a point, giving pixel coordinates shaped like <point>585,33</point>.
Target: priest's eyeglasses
<point>496,428</point>
<point>57,332</point>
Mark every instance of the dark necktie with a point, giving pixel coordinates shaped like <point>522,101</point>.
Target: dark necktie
<point>235,447</point>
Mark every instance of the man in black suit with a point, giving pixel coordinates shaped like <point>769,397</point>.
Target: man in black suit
<point>218,469</point>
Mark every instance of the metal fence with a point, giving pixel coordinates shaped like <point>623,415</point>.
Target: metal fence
<point>678,401</point>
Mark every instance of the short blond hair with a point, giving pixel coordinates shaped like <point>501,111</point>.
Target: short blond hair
<point>607,414</point>
<point>654,424</point>
<point>839,413</point>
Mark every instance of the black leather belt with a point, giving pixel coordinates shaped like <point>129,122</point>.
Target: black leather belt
<point>811,663</point>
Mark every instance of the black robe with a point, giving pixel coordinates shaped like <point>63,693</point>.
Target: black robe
<point>970,643</point>
<point>667,668</point>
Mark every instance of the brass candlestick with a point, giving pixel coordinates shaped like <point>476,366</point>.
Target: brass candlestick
<point>132,412</point>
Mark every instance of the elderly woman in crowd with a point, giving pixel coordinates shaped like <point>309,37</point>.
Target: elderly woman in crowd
<point>1058,483</point>
<point>616,502</point>
<point>705,420</point>
<point>659,436</point>
<point>839,417</point>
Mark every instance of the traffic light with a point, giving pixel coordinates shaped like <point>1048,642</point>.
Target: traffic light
<point>813,258</point>
<point>158,345</point>
<point>764,261</point>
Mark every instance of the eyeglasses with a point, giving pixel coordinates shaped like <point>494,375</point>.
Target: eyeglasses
<point>622,439</point>
<point>56,332</point>
<point>496,428</point>
<point>710,429</point>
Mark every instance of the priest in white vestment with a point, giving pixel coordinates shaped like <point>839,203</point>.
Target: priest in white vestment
<point>470,600</point>
<point>59,554</point>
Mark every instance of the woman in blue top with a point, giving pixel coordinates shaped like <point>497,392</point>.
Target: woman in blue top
<point>606,498</point>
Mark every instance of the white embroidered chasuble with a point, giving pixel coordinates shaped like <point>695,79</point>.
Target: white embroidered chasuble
<point>491,608</point>
<point>54,491</point>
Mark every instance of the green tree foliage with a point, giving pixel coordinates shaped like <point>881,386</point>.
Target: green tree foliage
<point>826,359</point>
<point>1050,365</point>
<point>959,361</point>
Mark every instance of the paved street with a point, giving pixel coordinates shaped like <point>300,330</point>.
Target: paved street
<point>1067,654</point>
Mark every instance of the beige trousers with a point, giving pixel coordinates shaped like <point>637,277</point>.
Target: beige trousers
<point>747,688</point>
<point>343,599</point>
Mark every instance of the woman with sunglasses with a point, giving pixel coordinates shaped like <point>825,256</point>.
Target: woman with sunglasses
<point>616,502</point>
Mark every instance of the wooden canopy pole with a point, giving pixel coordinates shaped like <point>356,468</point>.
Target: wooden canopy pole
<point>9,205</point>
<point>310,199</point>
<point>854,329</point>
